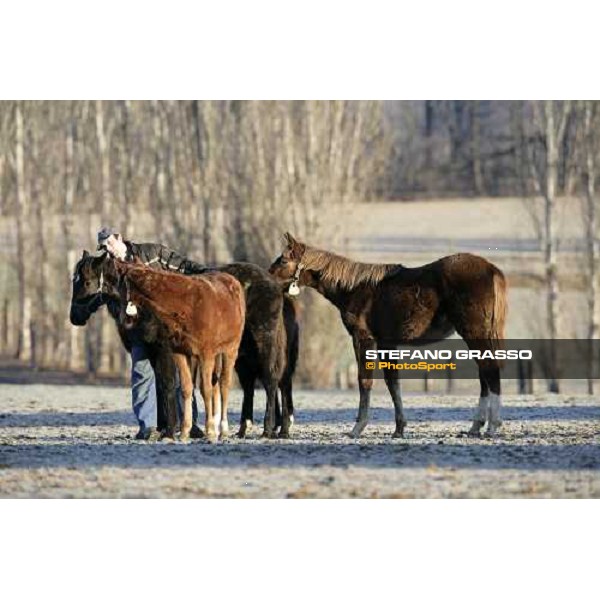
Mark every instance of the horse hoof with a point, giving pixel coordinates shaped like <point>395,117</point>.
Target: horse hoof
<point>284,435</point>
<point>491,434</point>
<point>196,433</point>
<point>166,439</point>
<point>241,434</point>
<point>473,434</point>
<point>269,435</point>
<point>184,438</point>
<point>398,435</point>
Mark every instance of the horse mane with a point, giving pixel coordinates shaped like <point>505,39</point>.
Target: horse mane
<point>344,272</point>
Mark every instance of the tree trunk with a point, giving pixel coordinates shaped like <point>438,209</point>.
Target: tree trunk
<point>100,361</point>
<point>476,163</point>
<point>551,239</point>
<point>74,351</point>
<point>592,249</point>
<point>4,337</point>
<point>159,169</point>
<point>24,352</point>
<point>41,349</point>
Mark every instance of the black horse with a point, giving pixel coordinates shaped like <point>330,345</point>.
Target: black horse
<point>268,351</point>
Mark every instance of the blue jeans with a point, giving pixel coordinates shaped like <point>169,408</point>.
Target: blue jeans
<point>143,389</point>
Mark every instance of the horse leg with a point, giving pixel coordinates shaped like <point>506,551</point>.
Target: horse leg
<point>206,388</point>
<point>161,393</point>
<point>481,413</point>
<point>287,397</point>
<point>278,413</point>
<point>365,385</point>
<point>216,395</point>
<point>271,388</point>
<point>287,405</point>
<point>228,364</point>
<point>247,376</point>
<point>492,375</point>
<point>216,404</point>
<point>187,388</point>
<point>489,402</point>
<point>394,387</point>
<point>165,375</point>
<point>285,384</point>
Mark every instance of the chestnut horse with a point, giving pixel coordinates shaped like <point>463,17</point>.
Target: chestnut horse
<point>203,317</point>
<point>383,303</point>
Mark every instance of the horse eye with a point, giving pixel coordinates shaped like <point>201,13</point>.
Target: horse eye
<point>283,260</point>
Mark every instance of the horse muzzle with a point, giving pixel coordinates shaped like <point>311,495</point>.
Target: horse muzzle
<point>79,315</point>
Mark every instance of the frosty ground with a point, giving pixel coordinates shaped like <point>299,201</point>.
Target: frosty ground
<point>77,441</point>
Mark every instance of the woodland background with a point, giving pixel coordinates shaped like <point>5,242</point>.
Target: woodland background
<point>222,180</point>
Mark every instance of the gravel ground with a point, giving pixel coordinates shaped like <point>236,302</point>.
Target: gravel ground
<point>76,441</point>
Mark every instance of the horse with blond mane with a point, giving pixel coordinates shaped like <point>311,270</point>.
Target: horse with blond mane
<point>383,305</point>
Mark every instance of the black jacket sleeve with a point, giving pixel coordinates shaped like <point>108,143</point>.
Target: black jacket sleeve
<point>159,256</point>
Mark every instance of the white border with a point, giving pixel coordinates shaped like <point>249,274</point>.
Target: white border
<point>299,549</point>
<point>313,49</point>
<point>375,49</point>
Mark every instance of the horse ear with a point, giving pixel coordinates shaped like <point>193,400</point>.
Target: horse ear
<point>85,254</point>
<point>289,240</point>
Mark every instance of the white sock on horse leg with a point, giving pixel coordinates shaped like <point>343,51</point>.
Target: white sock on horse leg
<point>481,414</point>
<point>494,410</point>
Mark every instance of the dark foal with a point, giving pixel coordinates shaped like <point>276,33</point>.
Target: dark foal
<point>269,348</point>
<point>384,303</point>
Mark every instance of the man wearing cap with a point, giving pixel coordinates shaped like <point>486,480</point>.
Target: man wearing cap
<point>143,388</point>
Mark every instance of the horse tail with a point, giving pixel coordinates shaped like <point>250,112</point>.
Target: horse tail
<point>499,309</point>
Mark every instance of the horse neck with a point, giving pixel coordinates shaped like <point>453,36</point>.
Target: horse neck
<point>337,295</point>
<point>109,273</point>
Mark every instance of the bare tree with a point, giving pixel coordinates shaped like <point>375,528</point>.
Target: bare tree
<point>74,357</point>
<point>544,155</point>
<point>590,145</point>
<point>24,351</point>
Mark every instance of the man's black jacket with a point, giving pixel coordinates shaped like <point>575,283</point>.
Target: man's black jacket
<point>158,256</point>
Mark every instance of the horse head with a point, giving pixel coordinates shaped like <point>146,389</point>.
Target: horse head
<point>93,283</point>
<point>288,267</point>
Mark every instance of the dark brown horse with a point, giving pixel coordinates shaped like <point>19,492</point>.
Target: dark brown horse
<point>203,318</point>
<point>383,302</point>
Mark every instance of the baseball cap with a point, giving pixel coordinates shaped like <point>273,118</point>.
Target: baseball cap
<point>103,235</point>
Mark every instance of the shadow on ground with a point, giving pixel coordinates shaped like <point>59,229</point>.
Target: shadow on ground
<point>433,413</point>
<point>388,454</point>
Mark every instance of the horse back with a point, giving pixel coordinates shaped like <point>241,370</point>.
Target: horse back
<point>200,313</point>
<point>431,300</point>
